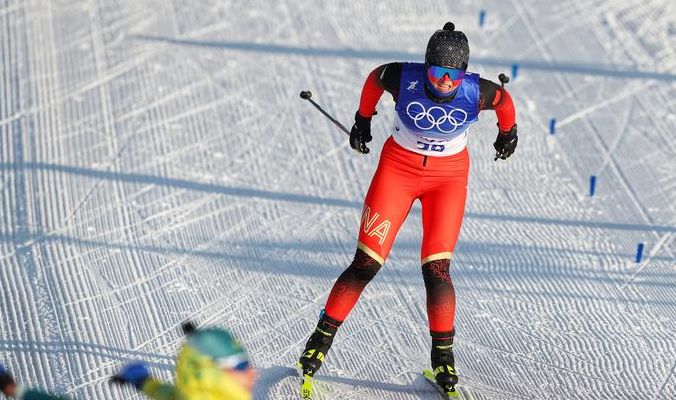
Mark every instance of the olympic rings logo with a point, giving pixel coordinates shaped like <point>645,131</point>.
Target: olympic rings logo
<point>436,117</point>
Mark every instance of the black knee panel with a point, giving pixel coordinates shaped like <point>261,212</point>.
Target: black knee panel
<point>364,267</point>
<point>436,272</point>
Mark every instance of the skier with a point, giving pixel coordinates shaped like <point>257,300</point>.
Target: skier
<point>211,365</point>
<point>9,388</point>
<point>425,158</point>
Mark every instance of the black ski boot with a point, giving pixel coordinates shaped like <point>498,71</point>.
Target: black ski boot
<point>443,364</point>
<point>318,345</point>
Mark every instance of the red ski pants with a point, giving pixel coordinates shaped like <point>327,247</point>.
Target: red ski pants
<point>440,183</point>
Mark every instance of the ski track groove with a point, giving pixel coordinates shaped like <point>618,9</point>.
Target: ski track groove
<point>621,134</point>
<point>55,210</point>
<point>664,382</point>
<point>26,148</point>
<point>664,240</point>
<point>161,271</point>
<point>215,316</point>
<point>623,180</point>
<point>632,195</point>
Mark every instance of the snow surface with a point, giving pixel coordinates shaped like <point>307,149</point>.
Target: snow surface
<point>157,164</point>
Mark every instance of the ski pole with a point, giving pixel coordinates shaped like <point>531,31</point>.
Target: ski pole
<point>503,79</point>
<point>307,95</point>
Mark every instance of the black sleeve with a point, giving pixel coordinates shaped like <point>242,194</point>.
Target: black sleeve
<point>488,90</point>
<point>389,78</point>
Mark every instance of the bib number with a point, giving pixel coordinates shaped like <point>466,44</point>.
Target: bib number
<point>430,147</point>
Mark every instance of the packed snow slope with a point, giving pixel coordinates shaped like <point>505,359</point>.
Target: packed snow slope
<point>157,165</point>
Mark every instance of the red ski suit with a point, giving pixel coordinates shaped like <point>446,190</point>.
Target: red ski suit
<point>404,175</point>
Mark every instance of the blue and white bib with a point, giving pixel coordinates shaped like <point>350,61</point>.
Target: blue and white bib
<point>429,128</point>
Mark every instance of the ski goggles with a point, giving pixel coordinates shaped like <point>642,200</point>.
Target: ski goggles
<point>237,362</point>
<point>436,73</point>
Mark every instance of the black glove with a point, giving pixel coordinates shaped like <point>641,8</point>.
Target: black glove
<point>505,143</point>
<point>360,133</point>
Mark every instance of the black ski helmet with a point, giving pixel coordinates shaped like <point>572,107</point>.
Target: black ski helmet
<point>448,48</point>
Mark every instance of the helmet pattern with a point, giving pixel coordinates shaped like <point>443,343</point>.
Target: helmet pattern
<point>448,48</point>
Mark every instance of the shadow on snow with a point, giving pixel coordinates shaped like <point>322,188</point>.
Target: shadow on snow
<point>144,179</point>
<point>566,67</point>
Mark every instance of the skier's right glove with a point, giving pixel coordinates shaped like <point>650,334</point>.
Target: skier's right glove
<point>360,133</point>
<point>135,374</point>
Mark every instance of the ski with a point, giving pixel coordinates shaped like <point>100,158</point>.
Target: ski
<point>449,393</point>
<point>306,387</point>
<point>305,384</point>
<point>456,393</point>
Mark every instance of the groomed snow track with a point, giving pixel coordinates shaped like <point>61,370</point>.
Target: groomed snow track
<point>156,164</point>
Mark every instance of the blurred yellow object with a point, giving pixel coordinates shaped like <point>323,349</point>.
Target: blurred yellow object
<point>198,377</point>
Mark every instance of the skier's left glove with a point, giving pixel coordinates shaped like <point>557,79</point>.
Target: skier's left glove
<point>505,143</point>
<point>360,133</point>
<point>135,374</point>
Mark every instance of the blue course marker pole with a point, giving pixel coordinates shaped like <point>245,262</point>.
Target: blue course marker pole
<point>515,70</point>
<point>482,18</point>
<point>592,185</point>
<point>552,126</point>
<point>639,252</point>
